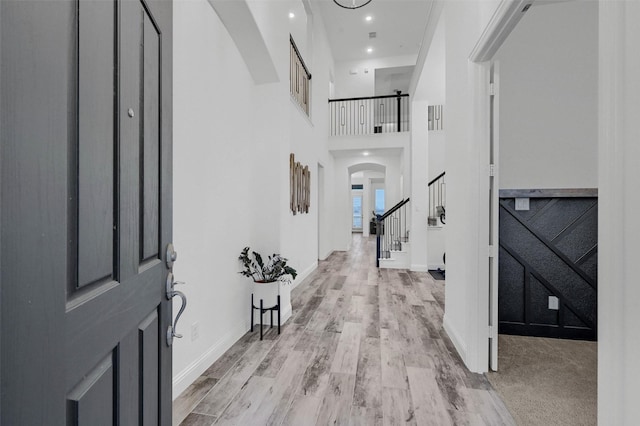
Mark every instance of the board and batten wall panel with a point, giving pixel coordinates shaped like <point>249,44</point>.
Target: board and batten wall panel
<point>550,250</point>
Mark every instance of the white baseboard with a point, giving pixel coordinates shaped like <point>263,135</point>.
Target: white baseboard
<point>455,339</point>
<point>326,255</point>
<point>436,266</point>
<point>303,275</point>
<point>420,268</point>
<point>186,377</point>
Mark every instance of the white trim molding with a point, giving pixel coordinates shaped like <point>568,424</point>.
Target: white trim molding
<point>619,200</point>
<point>504,20</point>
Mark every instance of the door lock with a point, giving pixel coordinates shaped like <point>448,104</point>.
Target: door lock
<point>171,256</point>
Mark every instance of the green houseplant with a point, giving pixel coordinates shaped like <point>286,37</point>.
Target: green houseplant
<point>275,269</point>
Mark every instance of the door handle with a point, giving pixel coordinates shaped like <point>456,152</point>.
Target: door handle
<point>171,293</point>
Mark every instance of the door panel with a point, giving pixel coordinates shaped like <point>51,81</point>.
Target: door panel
<point>96,141</point>
<point>148,335</point>
<point>86,178</point>
<point>91,402</point>
<point>151,139</point>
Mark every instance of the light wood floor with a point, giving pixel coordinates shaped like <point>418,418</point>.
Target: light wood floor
<point>364,347</point>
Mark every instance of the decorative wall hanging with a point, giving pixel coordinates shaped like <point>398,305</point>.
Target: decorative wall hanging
<point>300,186</point>
<point>435,117</point>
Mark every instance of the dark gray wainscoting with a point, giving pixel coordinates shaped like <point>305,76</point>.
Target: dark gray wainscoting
<point>549,250</point>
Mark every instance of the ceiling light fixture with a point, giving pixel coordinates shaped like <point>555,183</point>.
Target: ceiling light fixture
<point>352,4</point>
<point>368,18</point>
<point>369,49</point>
<point>292,15</point>
<point>365,153</point>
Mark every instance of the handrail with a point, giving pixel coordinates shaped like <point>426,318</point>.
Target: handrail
<point>391,231</point>
<point>304,66</point>
<point>394,209</point>
<point>436,190</point>
<point>436,179</point>
<point>369,97</point>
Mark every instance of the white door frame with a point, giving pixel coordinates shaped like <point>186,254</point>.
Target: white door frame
<point>506,17</point>
<point>494,213</point>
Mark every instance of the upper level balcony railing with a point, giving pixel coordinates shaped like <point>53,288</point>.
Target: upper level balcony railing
<point>299,77</point>
<point>365,116</point>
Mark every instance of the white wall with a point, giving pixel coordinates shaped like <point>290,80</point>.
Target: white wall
<point>362,83</point>
<point>548,92</point>
<point>464,23</point>
<point>232,140</point>
<point>419,166</point>
<point>202,157</point>
<point>308,140</point>
<point>432,89</point>
<point>619,246</point>
<point>428,244</point>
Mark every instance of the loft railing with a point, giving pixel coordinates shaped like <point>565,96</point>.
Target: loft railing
<point>299,77</point>
<point>437,201</point>
<point>391,231</point>
<point>365,116</point>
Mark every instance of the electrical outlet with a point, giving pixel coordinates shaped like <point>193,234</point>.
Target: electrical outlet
<point>195,331</point>
<point>553,303</point>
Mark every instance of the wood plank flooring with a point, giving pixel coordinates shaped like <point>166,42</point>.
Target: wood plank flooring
<point>365,346</point>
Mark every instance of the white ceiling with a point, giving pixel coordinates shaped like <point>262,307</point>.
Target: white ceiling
<point>399,25</point>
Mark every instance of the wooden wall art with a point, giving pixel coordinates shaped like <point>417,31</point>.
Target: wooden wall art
<point>300,186</point>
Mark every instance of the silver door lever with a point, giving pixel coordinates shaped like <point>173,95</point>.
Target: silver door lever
<point>171,293</point>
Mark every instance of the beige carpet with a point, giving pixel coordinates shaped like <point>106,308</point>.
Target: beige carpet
<point>547,381</point>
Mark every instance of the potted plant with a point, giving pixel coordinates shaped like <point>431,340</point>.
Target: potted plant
<point>275,269</point>
<point>266,277</point>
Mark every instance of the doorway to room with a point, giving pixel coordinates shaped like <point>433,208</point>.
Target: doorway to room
<point>542,210</point>
<point>356,210</point>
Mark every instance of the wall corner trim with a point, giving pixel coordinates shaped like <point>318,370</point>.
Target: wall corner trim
<point>304,275</point>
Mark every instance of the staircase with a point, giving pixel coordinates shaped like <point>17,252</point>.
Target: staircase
<point>392,238</point>
<point>436,221</point>
<point>437,212</point>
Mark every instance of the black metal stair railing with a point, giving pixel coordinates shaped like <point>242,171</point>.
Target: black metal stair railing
<point>369,115</point>
<point>299,77</point>
<point>437,201</point>
<point>391,231</point>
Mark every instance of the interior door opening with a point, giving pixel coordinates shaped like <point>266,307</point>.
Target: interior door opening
<point>356,212</point>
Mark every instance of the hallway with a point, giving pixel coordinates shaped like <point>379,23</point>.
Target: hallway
<point>364,347</point>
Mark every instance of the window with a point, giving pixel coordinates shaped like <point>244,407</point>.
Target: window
<point>379,201</point>
<point>299,77</point>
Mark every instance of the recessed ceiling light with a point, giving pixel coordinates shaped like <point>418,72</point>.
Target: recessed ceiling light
<point>369,49</point>
<point>365,153</point>
<point>368,18</point>
<point>292,15</point>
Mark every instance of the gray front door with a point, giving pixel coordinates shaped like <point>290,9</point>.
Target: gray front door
<point>85,212</point>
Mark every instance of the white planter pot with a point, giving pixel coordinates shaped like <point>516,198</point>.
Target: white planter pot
<point>267,292</point>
